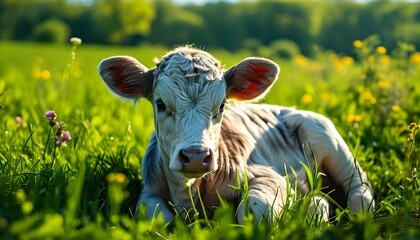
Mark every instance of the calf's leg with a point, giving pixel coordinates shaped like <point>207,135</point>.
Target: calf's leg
<point>267,195</point>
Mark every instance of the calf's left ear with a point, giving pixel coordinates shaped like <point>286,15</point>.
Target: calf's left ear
<point>127,77</point>
<point>251,79</point>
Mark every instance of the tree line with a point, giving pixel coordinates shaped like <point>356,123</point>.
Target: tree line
<point>288,27</point>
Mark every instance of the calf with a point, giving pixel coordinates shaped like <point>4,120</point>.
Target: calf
<point>206,134</point>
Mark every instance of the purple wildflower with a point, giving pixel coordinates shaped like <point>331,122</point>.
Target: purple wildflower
<point>62,139</point>
<point>61,136</point>
<point>51,115</point>
<point>58,141</point>
<point>66,136</point>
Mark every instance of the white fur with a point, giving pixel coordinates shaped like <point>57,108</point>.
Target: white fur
<point>264,140</point>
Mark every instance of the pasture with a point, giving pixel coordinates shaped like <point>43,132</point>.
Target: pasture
<point>87,187</point>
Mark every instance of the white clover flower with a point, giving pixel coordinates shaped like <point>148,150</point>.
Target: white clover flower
<point>75,41</point>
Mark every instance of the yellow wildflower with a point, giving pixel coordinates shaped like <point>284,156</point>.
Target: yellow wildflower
<point>415,58</point>
<point>367,96</point>
<point>341,63</point>
<point>372,100</point>
<point>348,61</point>
<point>381,50</point>
<point>306,98</point>
<point>357,118</point>
<point>354,118</point>
<point>42,74</point>
<point>385,59</point>
<point>384,84</point>
<point>45,74</point>
<point>116,177</point>
<point>301,60</point>
<point>357,44</point>
<point>396,108</point>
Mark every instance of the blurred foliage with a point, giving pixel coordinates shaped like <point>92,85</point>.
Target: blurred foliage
<point>51,30</point>
<point>331,25</point>
<point>284,48</point>
<point>115,21</point>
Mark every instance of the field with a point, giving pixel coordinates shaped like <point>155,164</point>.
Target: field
<point>55,188</point>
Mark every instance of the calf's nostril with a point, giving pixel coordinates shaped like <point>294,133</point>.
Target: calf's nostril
<point>207,160</point>
<point>183,158</point>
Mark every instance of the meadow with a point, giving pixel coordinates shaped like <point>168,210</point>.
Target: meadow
<point>86,187</point>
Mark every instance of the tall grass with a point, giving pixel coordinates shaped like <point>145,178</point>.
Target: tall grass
<point>88,188</point>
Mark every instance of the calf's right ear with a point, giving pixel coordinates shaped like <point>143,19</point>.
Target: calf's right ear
<point>127,77</point>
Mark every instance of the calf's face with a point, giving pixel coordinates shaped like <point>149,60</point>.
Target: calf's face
<point>188,99</point>
<point>188,89</point>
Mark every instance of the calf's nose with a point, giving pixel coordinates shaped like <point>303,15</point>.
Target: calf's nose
<point>196,159</point>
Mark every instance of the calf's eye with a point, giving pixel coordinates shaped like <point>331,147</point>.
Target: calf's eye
<point>161,107</point>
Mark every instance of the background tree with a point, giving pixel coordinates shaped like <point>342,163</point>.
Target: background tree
<point>113,21</point>
<point>175,25</point>
<point>257,26</point>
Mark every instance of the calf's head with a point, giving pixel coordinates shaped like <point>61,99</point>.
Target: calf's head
<point>188,89</point>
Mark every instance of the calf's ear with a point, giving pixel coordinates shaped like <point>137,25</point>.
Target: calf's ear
<point>251,79</point>
<point>127,77</point>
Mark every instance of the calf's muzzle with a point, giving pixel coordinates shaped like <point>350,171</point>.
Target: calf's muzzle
<point>195,160</point>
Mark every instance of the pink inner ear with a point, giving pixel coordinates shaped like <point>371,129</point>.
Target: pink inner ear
<point>254,88</point>
<point>119,81</point>
<point>251,79</point>
<point>250,90</point>
<point>261,69</point>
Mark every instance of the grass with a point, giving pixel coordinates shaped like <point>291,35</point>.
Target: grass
<point>88,189</point>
